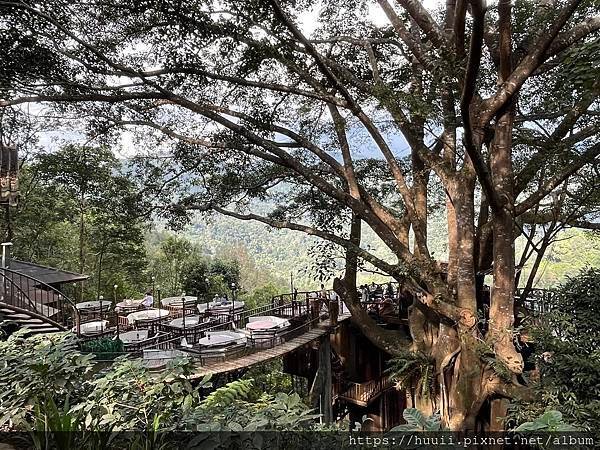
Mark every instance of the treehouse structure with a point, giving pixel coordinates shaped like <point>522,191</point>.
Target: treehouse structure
<point>346,374</point>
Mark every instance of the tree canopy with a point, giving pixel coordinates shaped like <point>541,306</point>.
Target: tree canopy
<point>489,113</point>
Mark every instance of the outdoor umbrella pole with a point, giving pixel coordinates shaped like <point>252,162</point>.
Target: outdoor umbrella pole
<point>159,308</point>
<point>153,293</point>
<point>183,306</point>
<point>101,318</point>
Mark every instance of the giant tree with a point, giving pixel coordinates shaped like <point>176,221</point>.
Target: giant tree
<point>281,100</point>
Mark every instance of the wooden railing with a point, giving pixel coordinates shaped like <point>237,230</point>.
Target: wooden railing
<point>363,393</point>
<point>536,301</point>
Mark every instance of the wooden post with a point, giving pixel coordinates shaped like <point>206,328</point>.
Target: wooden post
<point>320,392</point>
<point>307,306</point>
<point>333,313</point>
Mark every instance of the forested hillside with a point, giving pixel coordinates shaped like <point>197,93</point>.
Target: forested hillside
<point>280,253</point>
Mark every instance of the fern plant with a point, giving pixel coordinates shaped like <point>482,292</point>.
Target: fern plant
<point>414,369</point>
<point>228,394</point>
<point>486,353</point>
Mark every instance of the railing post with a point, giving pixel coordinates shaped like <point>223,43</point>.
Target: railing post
<point>308,312</point>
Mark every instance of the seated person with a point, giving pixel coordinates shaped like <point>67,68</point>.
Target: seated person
<point>405,301</point>
<point>372,288</point>
<point>378,292</point>
<point>373,311</point>
<point>148,300</point>
<point>323,293</point>
<point>389,291</point>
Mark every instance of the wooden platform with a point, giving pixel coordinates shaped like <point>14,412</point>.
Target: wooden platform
<point>261,356</point>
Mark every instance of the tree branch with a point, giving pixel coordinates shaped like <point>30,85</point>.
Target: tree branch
<point>527,66</point>
<point>470,85</point>
<point>588,156</point>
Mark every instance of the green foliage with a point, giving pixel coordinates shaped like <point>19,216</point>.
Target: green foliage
<point>48,387</point>
<point>417,421</point>
<point>260,296</point>
<point>195,277</point>
<point>486,352</point>
<point>414,369</point>
<point>39,372</point>
<point>269,412</point>
<point>80,211</point>
<point>179,265</point>
<point>575,251</point>
<point>51,423</point>
<point>568,356</point>
<point>129,397</point>
<point>582,65</point>
<point>227,395</point>
<point>168,260</point>
<point>210,276</point>
<point>269,377</point>
<point>549,421</point>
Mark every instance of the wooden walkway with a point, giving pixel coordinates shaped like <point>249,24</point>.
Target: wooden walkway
<point>261,356</point>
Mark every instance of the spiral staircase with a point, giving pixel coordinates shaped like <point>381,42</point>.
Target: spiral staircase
<point>30,304</point>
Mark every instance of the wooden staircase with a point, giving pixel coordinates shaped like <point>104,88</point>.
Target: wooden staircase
<point>28,303</point>
<point>28,320</point>
<point>363,394</point>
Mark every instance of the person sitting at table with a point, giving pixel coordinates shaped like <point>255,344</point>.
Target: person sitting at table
<point>405,301</point>
<point>372,290</point>
<point>378,293</point>
<point>389,291</point>
<point>323,293</point>
<point>148,300</point>
<point>373,309</point>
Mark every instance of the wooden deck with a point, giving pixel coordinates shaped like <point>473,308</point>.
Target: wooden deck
<point>261,356</point>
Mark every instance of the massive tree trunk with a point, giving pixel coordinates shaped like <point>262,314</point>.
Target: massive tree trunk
<point>418,80</point>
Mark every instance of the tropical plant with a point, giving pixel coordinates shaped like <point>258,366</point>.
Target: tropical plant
<point>51,424</point>
<point>226,395</point>
<point>417,421</point>
<point>39,375</point>
<point>130,397</point>
<point>567,356</point>
<point>231,409</point>
<point>269,377</point>
<point>414,370</point>
<point>551,421</point>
